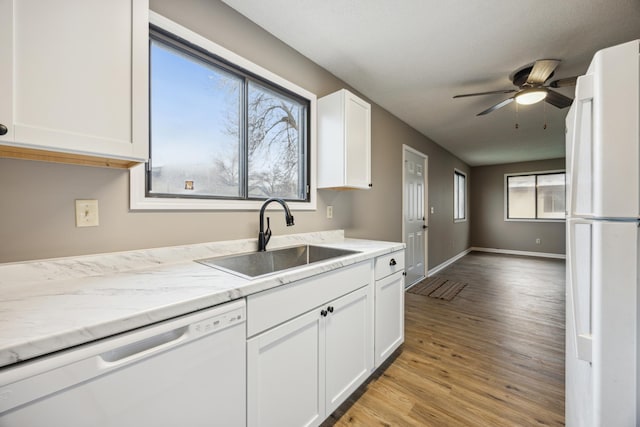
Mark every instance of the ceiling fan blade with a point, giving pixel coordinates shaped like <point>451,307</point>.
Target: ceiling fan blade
<point>557,99</point>
<point>495,107</point>
<point>486,93</point>
<point>542,70</point>
<point>568,81</point>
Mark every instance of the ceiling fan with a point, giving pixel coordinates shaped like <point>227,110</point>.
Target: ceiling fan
<point>530,81</point>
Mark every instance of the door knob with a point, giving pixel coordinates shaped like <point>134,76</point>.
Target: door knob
<point>3,129</point>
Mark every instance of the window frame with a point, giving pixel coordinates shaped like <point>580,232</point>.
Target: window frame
<point>139,200</point>
<point>456,173</point>
<point>535,173</point>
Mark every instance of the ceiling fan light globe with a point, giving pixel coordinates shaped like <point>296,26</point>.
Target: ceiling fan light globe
<point>530,96</point>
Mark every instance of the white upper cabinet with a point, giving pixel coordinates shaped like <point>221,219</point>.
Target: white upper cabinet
<point>74,77</point>
<point>344,141</point>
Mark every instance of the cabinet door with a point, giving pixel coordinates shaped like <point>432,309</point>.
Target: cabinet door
<point>349,345</point>
<point>79,76</point>
<point>6,69</point>
<point>358,141</point>
<point>344,141</point>
<point>389,307</point>
<point>285,374</point>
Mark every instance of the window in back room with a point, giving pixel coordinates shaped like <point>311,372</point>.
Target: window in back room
<point>459,195</point>
<point>535,196</point>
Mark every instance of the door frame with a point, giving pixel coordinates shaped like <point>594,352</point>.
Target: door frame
<point>406,148</point>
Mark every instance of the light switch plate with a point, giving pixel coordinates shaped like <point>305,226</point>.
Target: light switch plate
<point>87,213</point>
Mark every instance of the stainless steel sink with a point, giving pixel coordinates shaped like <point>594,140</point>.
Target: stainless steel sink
<point>254,264</point>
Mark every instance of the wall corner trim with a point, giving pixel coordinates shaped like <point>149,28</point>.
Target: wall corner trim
<point>448,262</point>
<point>521,253</point>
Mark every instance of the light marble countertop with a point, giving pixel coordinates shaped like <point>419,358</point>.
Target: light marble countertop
<point>50,305</point>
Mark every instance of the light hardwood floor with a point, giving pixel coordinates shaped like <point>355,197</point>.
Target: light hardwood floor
<point>493,356</point>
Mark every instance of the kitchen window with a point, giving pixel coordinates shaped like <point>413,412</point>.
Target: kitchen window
<point>459,195</point>
<point>536,196</point>
<point>224,133</point>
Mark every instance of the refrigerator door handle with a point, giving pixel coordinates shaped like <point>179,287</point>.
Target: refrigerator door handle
<point>584,347</point>
<point>584,93</point>
<point>580,286</point>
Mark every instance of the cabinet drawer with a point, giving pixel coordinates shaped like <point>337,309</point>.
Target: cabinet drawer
<point>389,264</point>
<point>275,306</point>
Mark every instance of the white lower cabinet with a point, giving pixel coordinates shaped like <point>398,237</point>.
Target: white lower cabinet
<point>285,374</point>
<point>348,346</point>
<point>389,319</point>
<point>389,305</point>
<point>301,371</point>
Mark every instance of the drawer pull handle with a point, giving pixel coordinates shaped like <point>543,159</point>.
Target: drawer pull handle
<point>330,309</point>
<point>392,262</point>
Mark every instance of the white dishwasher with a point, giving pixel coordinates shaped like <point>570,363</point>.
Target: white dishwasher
<point>188,371</point>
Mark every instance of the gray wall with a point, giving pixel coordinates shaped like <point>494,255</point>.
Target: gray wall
<point>488,227</point>
<point>378,213</point>
<point>37,208</point>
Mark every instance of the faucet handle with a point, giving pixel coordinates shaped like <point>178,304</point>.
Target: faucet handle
<point>267,233</point>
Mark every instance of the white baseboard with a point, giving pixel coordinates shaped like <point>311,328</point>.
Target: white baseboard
<point>522,253</point>
<point>447,263</point>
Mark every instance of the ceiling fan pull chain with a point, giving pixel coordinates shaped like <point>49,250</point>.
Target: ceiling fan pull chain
<point>544,106</point>
<point>517,126</point>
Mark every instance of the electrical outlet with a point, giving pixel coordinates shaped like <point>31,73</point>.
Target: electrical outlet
<point>538,241</point>
<point>87,213</point>
<point>433,210</point>
<point>329,212</point>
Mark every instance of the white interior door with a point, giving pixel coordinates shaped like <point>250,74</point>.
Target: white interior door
<point>415,221</point>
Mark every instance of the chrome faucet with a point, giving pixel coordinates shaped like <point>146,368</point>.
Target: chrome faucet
<point>264,236</point>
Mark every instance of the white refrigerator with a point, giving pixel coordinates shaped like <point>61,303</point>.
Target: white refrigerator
<point>603,246</point>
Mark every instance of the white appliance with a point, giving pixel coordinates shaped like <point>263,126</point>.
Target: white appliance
<point>603,256</point>
<point>189,371</point>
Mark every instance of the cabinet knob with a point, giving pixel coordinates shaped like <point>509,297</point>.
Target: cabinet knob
<point>3,129</point>
<point>330,309</point>
<point>392,262</point>
<point>404,273</point>
<point>323,313</point>
<point>370,185</point>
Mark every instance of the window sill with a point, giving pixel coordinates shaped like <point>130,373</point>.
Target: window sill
<point>455,221</point>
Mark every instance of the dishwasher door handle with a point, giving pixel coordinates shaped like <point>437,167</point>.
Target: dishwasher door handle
<point>140,349</point>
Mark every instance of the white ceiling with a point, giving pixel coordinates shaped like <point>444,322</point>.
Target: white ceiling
<point>412,56</point>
